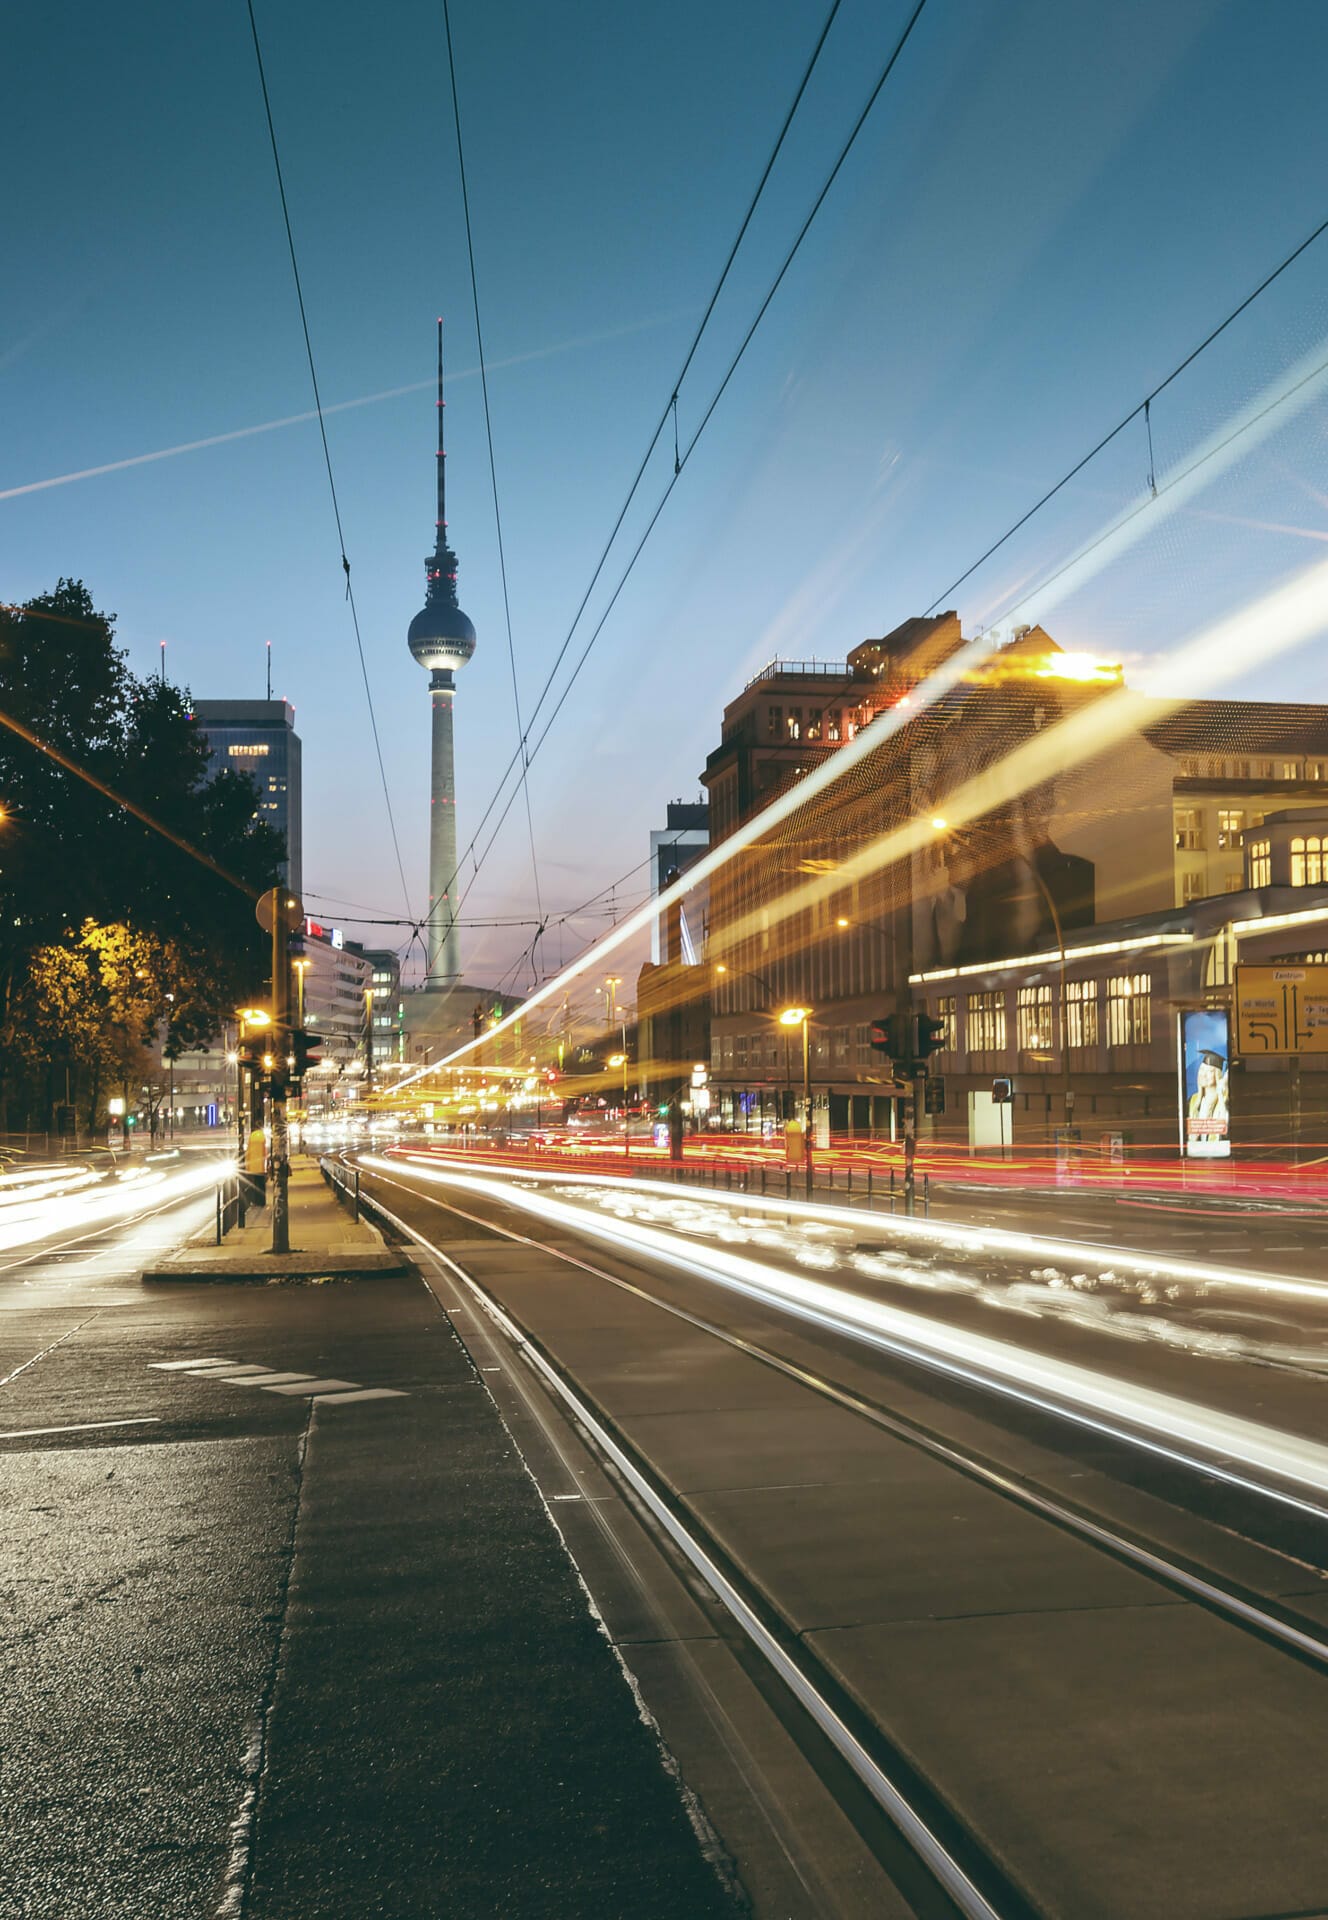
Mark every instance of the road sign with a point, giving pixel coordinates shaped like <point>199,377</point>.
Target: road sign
<point>1281,1010</point>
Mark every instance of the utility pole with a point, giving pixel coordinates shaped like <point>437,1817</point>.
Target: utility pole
<point>279,912</point>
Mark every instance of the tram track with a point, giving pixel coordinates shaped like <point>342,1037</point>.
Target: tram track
<point>970,1874</point>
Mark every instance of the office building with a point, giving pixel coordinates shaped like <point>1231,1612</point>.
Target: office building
<point>258,738</point>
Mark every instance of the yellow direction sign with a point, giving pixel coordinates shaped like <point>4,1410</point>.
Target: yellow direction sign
<point>1281,1010</point>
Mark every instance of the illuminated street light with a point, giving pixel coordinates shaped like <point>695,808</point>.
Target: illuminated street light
<point>255,1016</point>
<point>799,1017</point>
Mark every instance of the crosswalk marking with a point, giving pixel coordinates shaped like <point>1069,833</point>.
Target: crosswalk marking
<point>361,1393</point>
<point>241,1373</point>
<point>312,1386</point>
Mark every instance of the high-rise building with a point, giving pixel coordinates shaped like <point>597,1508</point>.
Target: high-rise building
<point>684,837</point>
<point>258,737</point>
<point>442,639</point>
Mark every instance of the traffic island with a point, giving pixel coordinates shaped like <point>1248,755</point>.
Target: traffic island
<point>327,1243</point>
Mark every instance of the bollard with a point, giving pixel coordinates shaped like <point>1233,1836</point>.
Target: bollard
<point>869,1186</point>
<point>850,1180</point>
<point>926,1195</point>
<point>357,1193</point>
<point>788,1183</point>
<point>892,1189</point>
<point>218,1216</point>
<point>763,1177</point>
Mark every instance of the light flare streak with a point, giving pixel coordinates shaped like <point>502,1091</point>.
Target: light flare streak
<point>1165,1423</point>
<point>32,1220</point>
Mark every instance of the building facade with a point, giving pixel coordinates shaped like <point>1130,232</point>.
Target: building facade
<point>258,737</point>
<point>1033,816</point>
<point>333,986</point>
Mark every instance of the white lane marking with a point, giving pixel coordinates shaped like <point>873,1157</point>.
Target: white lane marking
<point>312,1386</point>
<point>235,1373</point>
<point>180,1366</point>
<point>84,1426</point>
<point>265,1380</point>
<point>359,1393</point>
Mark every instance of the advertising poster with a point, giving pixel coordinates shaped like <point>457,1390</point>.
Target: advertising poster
<point>1205,1109</point>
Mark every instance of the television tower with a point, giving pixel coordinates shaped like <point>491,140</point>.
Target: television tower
<point>442,639</point>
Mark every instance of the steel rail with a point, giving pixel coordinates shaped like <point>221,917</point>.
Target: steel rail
<point>1223,1600</point>
<point>967,1897</point>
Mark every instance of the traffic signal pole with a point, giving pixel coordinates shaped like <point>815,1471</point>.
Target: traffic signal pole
<point>279,1144</point>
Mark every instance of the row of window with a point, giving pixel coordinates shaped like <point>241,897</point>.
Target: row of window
<point>1129,1017</point>
<point>1196,769</point>
<point>812,723</point>
<point>1191,835</point>
<point>1121,1007</point>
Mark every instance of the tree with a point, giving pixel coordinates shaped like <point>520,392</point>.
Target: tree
<point>85,882</point>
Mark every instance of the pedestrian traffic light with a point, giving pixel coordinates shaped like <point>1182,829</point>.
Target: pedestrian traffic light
<point>929,1036</point>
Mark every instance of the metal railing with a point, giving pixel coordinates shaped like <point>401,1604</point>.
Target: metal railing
<point>230,1205</point>
<point>344,1182</point>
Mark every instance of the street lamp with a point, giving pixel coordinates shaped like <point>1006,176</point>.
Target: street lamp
<point>799,1017</point>
<point>301,968</point>
<point>620,1060</point>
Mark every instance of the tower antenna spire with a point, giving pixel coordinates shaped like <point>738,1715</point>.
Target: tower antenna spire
<point>442,456</point>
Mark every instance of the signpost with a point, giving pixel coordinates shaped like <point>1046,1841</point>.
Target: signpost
<point>1281,1010</point>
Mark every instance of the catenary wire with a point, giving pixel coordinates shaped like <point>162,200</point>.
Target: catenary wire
<point>493,467</point>
<point>1144,407</point>
<point>670,407</point>
<point>327,455</point>
<point>732,368</point>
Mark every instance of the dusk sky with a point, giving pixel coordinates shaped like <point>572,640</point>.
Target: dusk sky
<point>1051,204</point>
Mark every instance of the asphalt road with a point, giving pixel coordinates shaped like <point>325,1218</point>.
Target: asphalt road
<point>277,1649</point>
<point>1110,1746</point>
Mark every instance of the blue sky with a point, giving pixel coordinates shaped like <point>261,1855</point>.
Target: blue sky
<point>1050,205</point>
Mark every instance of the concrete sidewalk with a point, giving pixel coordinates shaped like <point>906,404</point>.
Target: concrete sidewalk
<point>325,1238</point>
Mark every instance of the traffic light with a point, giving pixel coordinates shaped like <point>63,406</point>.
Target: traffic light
<point>893,1036</point>
<point>305,1048</point>
<point>929,1036</point>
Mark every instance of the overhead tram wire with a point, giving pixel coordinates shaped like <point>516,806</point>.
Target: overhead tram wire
<point>493,467</point>
<point>671,404</point>
<point>1142,410</point>
<point>680,463</point>
<point>327,455</point>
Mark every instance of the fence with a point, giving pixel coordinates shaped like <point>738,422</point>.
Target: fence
<point>230,1205</point>
<point>344,1181</point>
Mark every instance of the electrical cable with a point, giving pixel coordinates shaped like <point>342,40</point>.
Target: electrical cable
<point>671,405</point>
<point>327,455</point>
<point>681,464</point>
<point>493,468</point>
<point>1144,407</point>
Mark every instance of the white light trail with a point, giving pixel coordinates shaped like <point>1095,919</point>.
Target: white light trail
<point>106,1202</point>
<point>1165,1422</point>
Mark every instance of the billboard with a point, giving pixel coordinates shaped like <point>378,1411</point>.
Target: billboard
<point>1204,1061</point>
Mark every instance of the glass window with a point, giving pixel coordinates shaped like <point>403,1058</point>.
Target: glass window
<point>1314,769</point>
<point>1265,770</point>
<point>813,723</point>
<point>1081,1012</point>
<point>793,725</point>
<point>1189,829</point>
<point>774,725</point>
<point>986,1022</point>
<point>1235,883</point>
<point>1034,1015</point>
<point>1192,887</point>
<point>1230,826</point>
<point>833,728</point>
<point>1129,1010</point>
<point>839,1045</point>
<point>1291,769</point>
<point>947,1012</point>
<point>1307,861</point>
<point>1261,863</point>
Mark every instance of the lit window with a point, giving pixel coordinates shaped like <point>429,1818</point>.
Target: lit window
<point>1129,1010</point>
<point>793,725</point>
<point>1307,861</point>
<point>1034,1018</point>
<point>814,723</point>
<point>1230,826</point>
<point>986,1022</point>
<point>1189,829</point>
<point>833,729</point>
<point>1314,769</point>
<point>1291,770</point>
<point>240,752</point>
<point>947,1013</point>
<point>1081,1012</point>
<point>1261,863</point>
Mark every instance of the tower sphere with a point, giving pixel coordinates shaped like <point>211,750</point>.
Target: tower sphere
<point>441,636</point>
